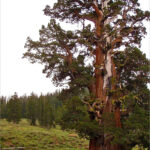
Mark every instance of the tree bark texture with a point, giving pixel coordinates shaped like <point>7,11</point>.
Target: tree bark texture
<point>104,72</point>
<point>95,144</point>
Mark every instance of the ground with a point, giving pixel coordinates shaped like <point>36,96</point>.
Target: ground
<point>38,138</point>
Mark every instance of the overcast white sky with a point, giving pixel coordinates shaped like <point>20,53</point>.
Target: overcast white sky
<point>20,19</point>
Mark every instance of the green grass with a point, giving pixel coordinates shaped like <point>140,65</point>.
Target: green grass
<point>139,148</point>
<point>37,138</point>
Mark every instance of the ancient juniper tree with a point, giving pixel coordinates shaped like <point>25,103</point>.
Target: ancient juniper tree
<point>108,27</point>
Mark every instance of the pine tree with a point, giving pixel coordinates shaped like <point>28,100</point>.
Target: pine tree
<point>116,24</point>
<point>14,109</point>
<point>32,108</point>
<point>2,107</point>
<point>40,112</point>
<point>23,100</point>
<point>46,112</point>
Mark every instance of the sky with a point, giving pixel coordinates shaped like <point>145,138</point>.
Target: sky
<point>18,20</point>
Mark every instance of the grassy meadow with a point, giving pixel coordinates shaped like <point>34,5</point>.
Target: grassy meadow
<point>38,138</point>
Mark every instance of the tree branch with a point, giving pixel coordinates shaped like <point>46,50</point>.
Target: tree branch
<point>97,10</point>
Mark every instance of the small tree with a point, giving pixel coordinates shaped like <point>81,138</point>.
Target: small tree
<point>2,107</point>
<point>32,108</point>
<point>14,109</point>
<point>23,100</point>
<point>45,113</point>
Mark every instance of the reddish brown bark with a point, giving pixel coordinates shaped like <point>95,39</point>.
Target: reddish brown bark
<point>94,145</point>
<point>98,73</point>
<point>99,55</point>
<point>117,117</point>
<point>92,88</point>
<point>100,92</point>
<point>108,108</point>
<point>69,55</point>
<point>117,112</point>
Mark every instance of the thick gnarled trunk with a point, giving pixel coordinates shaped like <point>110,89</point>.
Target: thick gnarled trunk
<point>95,144</point>
<point>104,74</point>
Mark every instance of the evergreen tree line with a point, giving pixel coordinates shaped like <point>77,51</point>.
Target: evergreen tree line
<point>41,109</point>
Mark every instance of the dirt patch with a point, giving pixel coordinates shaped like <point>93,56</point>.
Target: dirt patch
<point>8,144</point>
<point>73,135</point>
